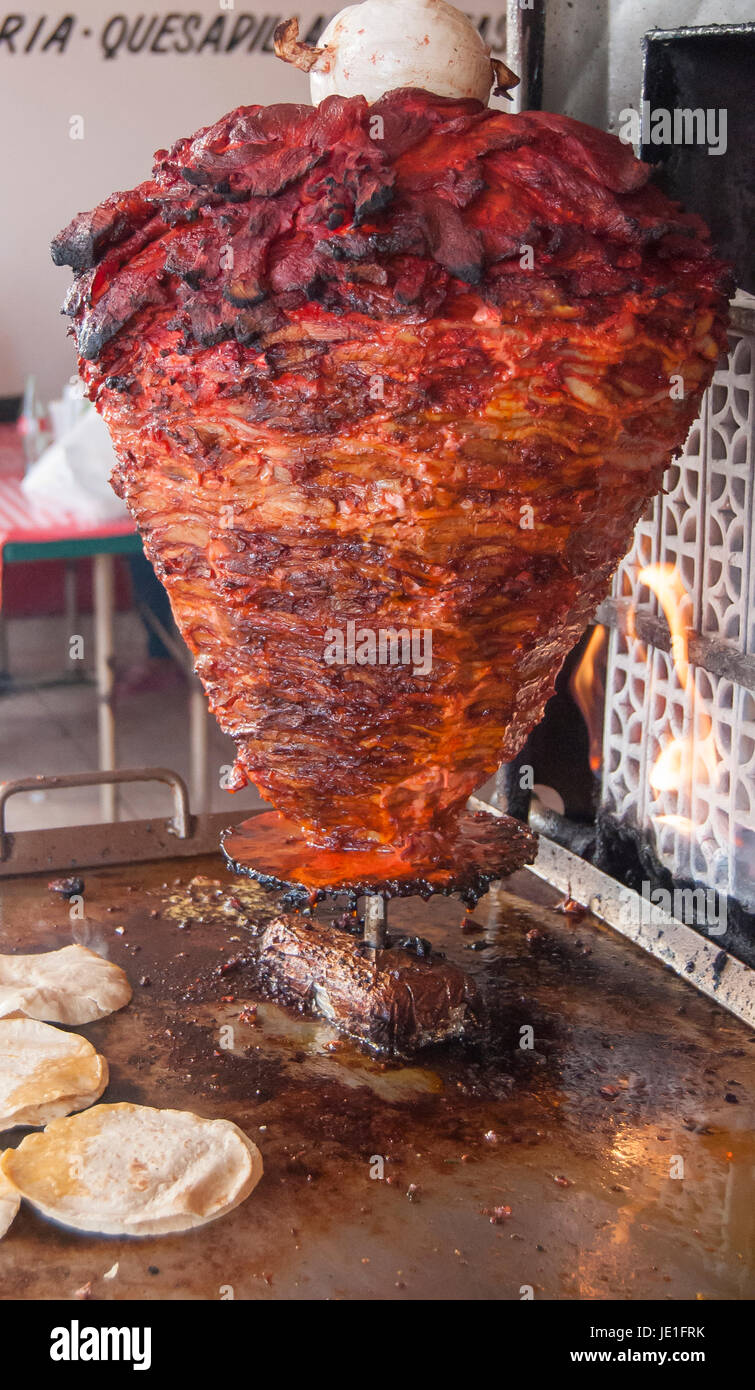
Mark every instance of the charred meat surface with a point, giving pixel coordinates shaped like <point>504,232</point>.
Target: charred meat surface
<point>414,375</point>
<point>394,1000</point>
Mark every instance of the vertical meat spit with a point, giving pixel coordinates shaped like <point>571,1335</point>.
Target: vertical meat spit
<point>375,921</point>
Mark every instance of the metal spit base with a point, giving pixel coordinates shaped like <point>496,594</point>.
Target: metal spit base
<point>487,846</point>
<point>596,1142</point>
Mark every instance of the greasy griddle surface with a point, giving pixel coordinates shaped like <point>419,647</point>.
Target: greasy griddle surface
<point>576,1136</point>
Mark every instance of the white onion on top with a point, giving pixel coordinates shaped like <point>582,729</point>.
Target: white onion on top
<point>373,48</point>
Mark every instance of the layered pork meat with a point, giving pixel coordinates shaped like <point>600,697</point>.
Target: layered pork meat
<point>414,366</point>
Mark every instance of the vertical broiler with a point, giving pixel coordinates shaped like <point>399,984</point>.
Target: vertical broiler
<point>402,364</point>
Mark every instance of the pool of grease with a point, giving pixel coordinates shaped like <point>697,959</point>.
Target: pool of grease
<point>474,1170</point>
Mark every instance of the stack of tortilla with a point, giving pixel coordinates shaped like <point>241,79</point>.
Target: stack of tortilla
<point>114,1169</point>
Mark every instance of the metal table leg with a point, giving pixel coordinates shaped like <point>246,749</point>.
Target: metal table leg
<point>71,600</point>
<point>103,572</point>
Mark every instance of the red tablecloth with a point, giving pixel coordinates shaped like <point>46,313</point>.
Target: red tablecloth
<point>22,520</point>
<point>11,452</point>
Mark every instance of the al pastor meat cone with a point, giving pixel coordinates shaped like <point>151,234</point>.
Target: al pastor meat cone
<point>414,367</point>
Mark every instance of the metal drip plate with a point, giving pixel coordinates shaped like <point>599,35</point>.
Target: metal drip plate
<point>273,851</point>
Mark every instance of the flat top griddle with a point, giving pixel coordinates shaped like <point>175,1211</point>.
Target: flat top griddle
<point>630,1067</point>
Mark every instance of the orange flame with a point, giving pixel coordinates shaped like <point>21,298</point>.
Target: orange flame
<point>690,757</point>
<point>587,686</point>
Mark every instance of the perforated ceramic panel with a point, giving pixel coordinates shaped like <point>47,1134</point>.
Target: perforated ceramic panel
<point>679,744</point>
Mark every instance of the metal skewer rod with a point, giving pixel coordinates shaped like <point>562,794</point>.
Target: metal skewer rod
<point>375,920</point>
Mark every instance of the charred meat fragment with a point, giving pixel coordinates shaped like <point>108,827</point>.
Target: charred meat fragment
<point>67,887</point>
<point>394,1000</point>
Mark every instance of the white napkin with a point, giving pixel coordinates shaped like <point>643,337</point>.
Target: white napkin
<point>74,473</point>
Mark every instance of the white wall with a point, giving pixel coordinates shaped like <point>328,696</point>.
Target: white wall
<point>593,54</point>
<point>132,104</point>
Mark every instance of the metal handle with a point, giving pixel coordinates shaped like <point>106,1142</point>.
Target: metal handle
<point>180,825</point>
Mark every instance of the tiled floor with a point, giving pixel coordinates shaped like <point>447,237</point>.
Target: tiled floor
<point>53,729</point>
